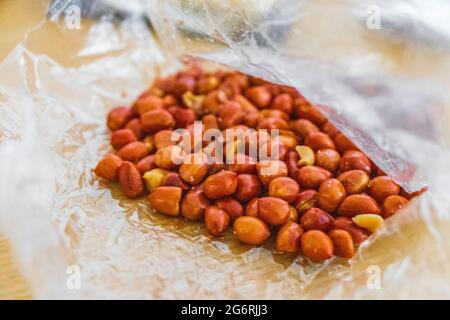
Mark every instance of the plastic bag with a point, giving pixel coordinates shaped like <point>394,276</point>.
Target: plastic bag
<point>60,217</point>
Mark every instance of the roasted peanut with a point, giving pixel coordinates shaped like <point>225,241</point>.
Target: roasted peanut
<point>207,84</point>
<point>343,143</point>
<point>288,237</point>
<point>316,245</point>
<point>272,113</point>
<point>193,204</point>
<point>273,123</point>
<point>392,204</point>
<point>182,116</point>
<point>146,164</point>
<point>273,211</point>
<point>231,206</point>
<point>259,96</point>
<point>173,179</point>
<point>194,171</point>
<point>284,188</point>
<point>316,219</point>
<point>252,208</point>
<point>270,169</point>
<point>118,118</point>
<point>248,187</point>
<point>148,103</point>
<point>184,84</point>
<point>354,181</point>
<point>210,121</point>
<point>231,114</point>
<point>166,200</point>
<point>358,204</point>
<point>163,138</point>
<point>133,151</point>
<point>331,194</point>
<point>213,101</point>
<point>243,164</point>
<point>382,187</point>
<point>130,180</point>
<point>355,160</point>
<point>221,184</point>
<point>306,200</point>
<point>311,177</point>
<point>342,243</point>
<point>250,230</point>
<point>370,222</point>
<point>307,111</point>
<point>283,102</point>
<point>291,160</point>
<point>135,126</point>
<point>328,159</point>
<point>216,220</point>
<point>107,167</point>
<point>319,140</point>
<point>169,157</point>
<point>155,178</point>
<point>303,127</point>
<point>330,130</point>
<point>155,120</point>
<point>305,155</point>
<point>358,234</point>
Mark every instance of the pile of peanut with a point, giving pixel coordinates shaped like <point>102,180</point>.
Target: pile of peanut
<point>323,198</point>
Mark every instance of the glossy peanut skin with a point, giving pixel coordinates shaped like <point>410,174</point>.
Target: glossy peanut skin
<point>108,167</point>
<point>173,179</point>
<point>303,127</point>
<point>130,180</point>
<point>248,187</point>
<point>358,204</point>
<point>163,138</point>
<point>354,181</point>
<point>330,195</point>
<point>306,200</point>
<point>166,200</point>
<point>133,151</point>
<point>216,220</point>
<point>273,211</point>
<point>270,169</point>
<point>156,120</point>
<point>284,188</point>
<point>319,140</point>
<point>328,159</point>
<point>118,117</point>
<point>135,126</point>
<point>122,137</point>
<point>231,206</point>
<point>259,96</point>
<point>316,219</point>
<point>193,173</point>
<point>343,143</point>
<point>288,237</point>
<point>392,204</point>
<point>148,103</point>
<point>316,245</point>
<point>194,204</point>
<point>221,184</point>
<point>358,234</point>
<point>252,208</point>
<point>310,177</point>
<point>342,243</point>
<point>355,160</point>
<point>250,230</point>
<point>382,187</point>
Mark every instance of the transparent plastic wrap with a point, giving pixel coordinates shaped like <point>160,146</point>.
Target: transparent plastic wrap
<point>58,214</point>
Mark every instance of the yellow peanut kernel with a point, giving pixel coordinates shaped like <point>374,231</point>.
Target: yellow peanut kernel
<point>370,222</point>
<point>306,155</point>
<point>154,178</point>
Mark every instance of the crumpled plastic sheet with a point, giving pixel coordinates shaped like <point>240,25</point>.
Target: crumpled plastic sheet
<point>58,214</point>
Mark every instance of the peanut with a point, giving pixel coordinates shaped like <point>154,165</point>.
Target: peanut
<point>288,237</point>
<point>250,230</point>
<point>316,245</point>
<point>166,200</point>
